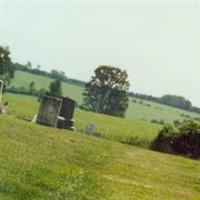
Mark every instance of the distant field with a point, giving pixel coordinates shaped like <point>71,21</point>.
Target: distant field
<point>149,110</point>
<point>24,79</point>
<point>44,163</point>
<point>139,110</point>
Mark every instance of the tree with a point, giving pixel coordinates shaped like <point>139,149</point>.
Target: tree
<point>6,68</point>
<point>176,101</point>
<point>55,88</point>
<point>58,74</point>
<point>38,67</point>
<point>28,65</point>
<point>107,91</point>
<point>32,88</point>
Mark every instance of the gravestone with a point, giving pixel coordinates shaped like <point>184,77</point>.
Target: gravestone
<point>67,108</point>
<point>90,129</point>
<point>66,120</point>
<point>49,111</point>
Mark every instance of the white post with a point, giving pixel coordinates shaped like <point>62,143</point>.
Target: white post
<point>1,89</point>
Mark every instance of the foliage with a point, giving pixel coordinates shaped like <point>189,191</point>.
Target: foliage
<point>59,75</point>
<point>176,123</point>
<point>188,140</point>
<point>165,139</point>
<point>155,121</point>
<point>176,101</point>
<point>55,89</point>
<point>107,91</point>
<point>185,140</point>
<point>6,68</point>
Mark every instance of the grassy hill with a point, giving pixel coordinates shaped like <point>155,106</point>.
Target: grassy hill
<point>41,163</point>
<point>139,110</point>
<point>25,78</point>
<point>126,131</point>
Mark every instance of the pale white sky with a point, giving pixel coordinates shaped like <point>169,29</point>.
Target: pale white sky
<point>158,43</point>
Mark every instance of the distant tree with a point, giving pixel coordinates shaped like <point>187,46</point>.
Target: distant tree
<point>41,93</point>
<point>176,101</point>
<point>55,88</point>
<point>32,84</point>
<point>38,67</point>
<point>32,87</point>
<point>7,70</point>
<point>28,65</point>
<point>107,92</point>
<point>60,75</point>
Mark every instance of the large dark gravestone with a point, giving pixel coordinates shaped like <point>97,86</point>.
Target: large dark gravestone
<point>66,120</point>
<point>49,111</point>
<point>67,108</point>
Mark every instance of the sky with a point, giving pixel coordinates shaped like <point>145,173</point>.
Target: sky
<point>157,42</point>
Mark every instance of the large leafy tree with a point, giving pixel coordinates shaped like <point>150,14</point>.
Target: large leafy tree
<point>6,68</point>
<point>106,92</point>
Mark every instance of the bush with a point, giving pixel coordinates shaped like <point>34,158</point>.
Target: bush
<point>165,139</point>
<point>156,121</point>
<point>188,140</point>
<point>184,141</point>
<point>176,122</point>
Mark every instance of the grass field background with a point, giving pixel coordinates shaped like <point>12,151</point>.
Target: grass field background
<point>138,110</point>
<point>44,163</point>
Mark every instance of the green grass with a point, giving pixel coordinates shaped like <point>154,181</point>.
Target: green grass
<point>24,79</point>
<point>126,131</point>
<point>156,111</point>
<point>41,163</point>
<point>136,110</point>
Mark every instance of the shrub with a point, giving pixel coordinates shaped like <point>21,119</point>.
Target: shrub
<point>165,139</point>
<point>176,122</point>
<point>156,121</point>
<point>188,140</point>
<point>185,140</point>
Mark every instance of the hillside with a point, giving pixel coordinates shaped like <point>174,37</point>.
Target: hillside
<point>126,131</point>
<point>41,163</point>
<point>139,110</point>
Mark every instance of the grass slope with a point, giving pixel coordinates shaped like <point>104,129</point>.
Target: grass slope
<point>24,79</point>
<point>125,131</point>
<point>145,111</point>
<point>43,163</point>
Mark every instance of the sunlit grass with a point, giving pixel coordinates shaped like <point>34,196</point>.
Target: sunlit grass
<point>44,163</point>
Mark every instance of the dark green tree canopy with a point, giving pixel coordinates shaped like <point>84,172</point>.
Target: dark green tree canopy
<point>176,101</point>
<point>55,88</point>
<point>6,68</point>
<point>107,91</point>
